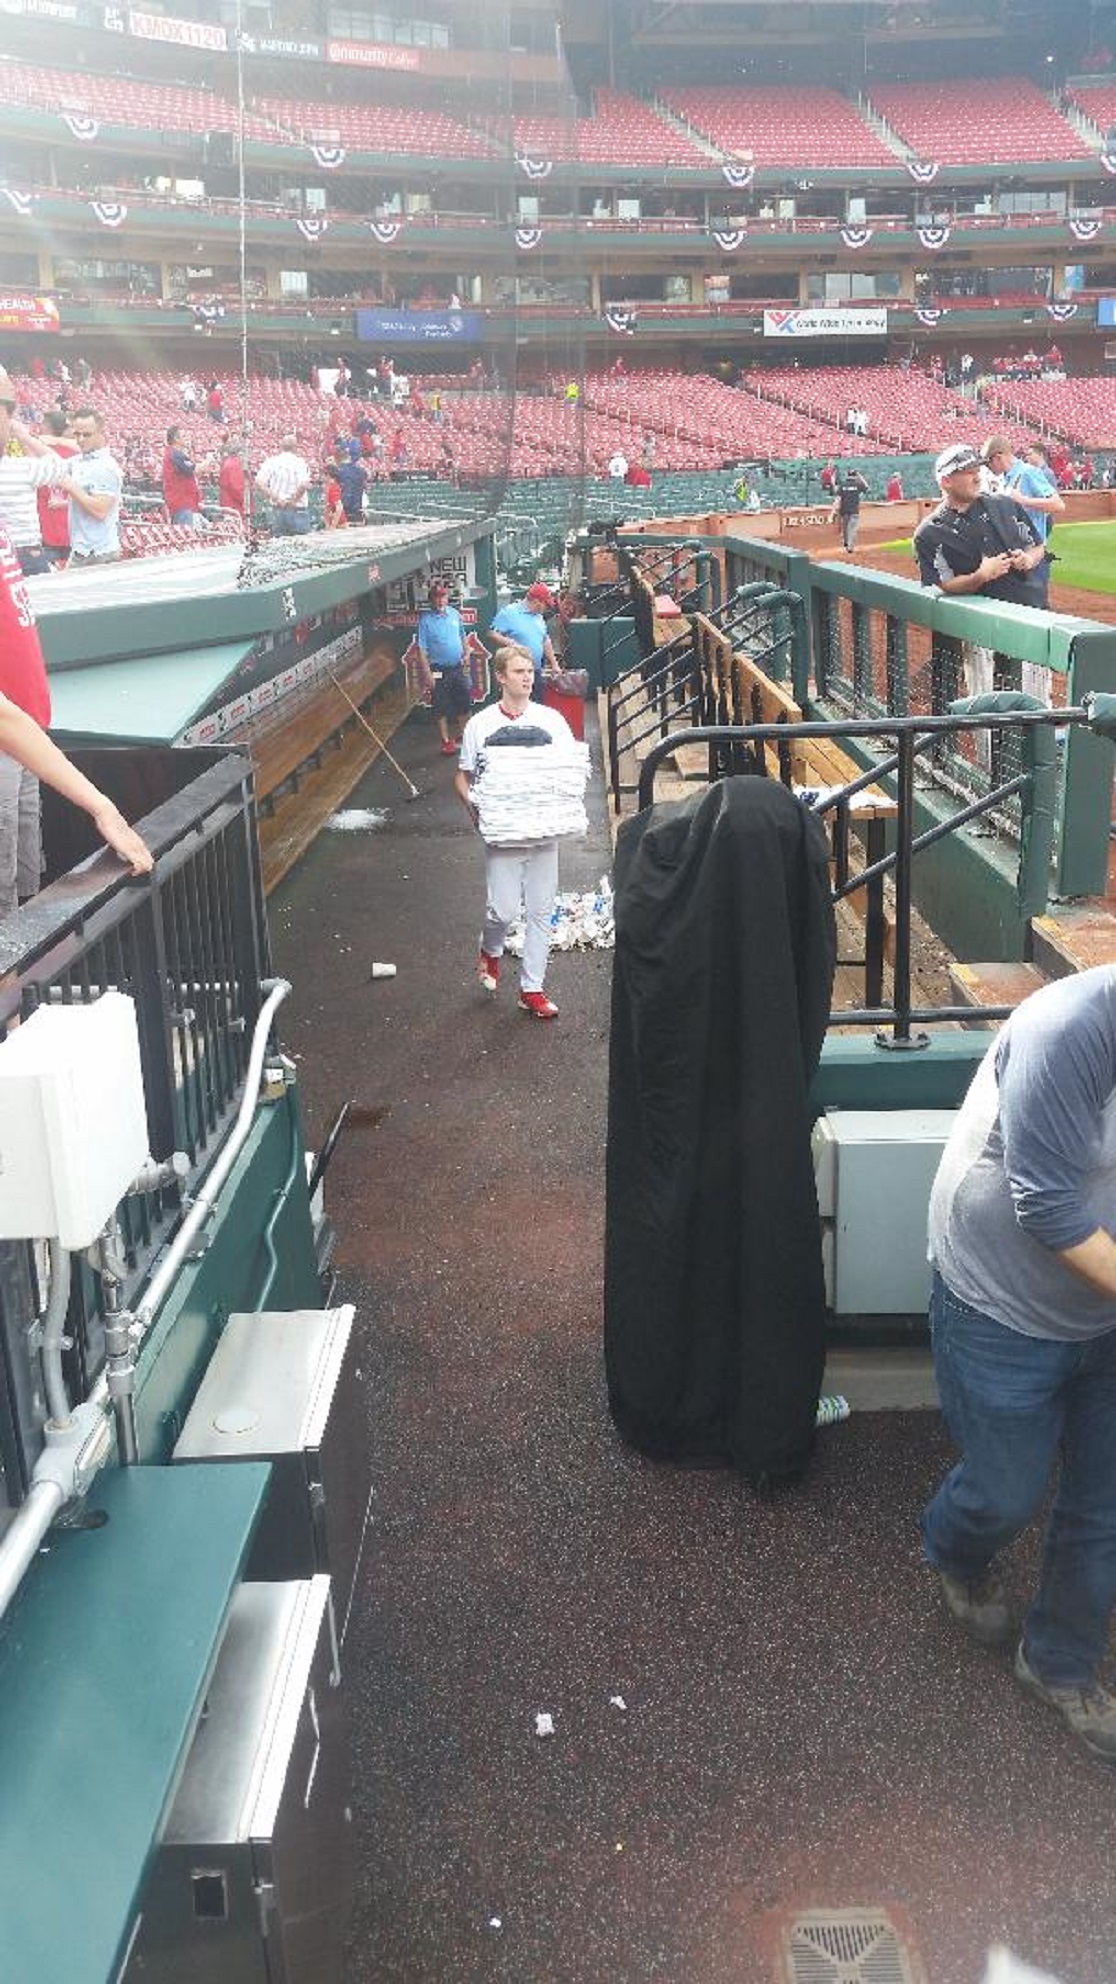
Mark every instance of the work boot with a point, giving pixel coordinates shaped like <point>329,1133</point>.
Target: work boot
<point>980,1607</point>
<point>1090,1711</point>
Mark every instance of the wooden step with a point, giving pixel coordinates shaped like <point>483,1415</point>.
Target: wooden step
<point>300,814</point>
<point>994,984</point>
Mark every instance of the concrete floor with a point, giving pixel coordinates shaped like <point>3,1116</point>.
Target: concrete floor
<point>801,1726</point>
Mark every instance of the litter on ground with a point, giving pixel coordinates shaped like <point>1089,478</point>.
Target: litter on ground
<point>579,922</point>
<point>357,820</point>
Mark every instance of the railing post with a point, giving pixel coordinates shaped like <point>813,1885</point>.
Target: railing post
<point>1081,867</point>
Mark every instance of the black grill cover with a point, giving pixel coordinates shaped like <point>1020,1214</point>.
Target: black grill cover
<point>714,1295</point>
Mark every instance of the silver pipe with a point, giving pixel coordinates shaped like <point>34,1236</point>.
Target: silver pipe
<point>24,1535</point>
<point>54,1323</point>
<point>203,1205</point>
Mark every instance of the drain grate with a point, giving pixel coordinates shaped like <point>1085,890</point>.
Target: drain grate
<point>846,1946</point>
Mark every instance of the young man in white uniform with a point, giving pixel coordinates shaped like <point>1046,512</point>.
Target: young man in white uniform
<point>528,873</point>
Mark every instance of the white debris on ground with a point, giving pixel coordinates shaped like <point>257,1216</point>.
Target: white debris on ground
<point>617,1701</point>
<point>544,1725</point>
<point>357,820</point>
<point>579,923</point>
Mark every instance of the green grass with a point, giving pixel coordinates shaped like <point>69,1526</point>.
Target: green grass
<point>1085,553</point>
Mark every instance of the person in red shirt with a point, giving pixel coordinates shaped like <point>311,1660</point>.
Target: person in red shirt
<point>54,503</point>
<point>27,754</point>
<point>230,488</point>
<point>181,493</point>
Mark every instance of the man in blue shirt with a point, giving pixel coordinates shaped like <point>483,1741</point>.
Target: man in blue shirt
<point>95,484</point>
<point>440,638</point>
<point>1027,478</point>
<point>351,480</point>
<point>1023,1324</point>
<point>525,625</point>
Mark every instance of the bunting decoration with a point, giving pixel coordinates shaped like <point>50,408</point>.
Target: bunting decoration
<point>80,126</point>
<point>534,168</point>
<point>329,157</point>
<point>1108,160</point>
<point>528,237</point>
<point>930,315</point>
<point>1061,312</point>
<point>933,237</point>
<point>21,202</point>
<point>620,319</point>
<point>311,226</point>
<point>856,237</point>
<point>738,175</point>
<point>110,213</point>
<point>731,238</point>
<point>1085,230</point>
<point>923,172</point>
<point>385,231</point>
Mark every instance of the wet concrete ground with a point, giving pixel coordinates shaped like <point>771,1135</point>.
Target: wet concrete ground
<point>801,1727</point>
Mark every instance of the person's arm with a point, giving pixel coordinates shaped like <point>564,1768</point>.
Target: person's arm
<point>21,738</point>
<point>550,660</point>
<point>99,503</point>
<point>1094,1261</point>
<point>32,444</point>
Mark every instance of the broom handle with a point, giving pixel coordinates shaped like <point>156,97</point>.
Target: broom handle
<point>374,734</point>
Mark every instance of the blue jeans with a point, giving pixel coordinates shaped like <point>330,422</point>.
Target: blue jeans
<point>288,521</point>
<point>1012,1403</point>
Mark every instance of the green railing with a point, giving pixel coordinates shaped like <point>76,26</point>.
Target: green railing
<point>875,646</point>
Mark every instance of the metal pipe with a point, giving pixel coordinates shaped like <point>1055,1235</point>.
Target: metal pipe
<point>202,1208</point>
<point>901,970</point>
<point>24,1535</point>
<point>54,1323</point>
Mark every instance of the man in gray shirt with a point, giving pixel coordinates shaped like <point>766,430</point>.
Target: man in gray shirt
<point>1023,1322</point>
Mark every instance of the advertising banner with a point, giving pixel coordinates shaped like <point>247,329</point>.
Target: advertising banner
<point>817,323</point>
<point>1106,312</point>
<point>190,34</point>
<point>373,55</point>
<point>20,312</point>
<point>300,49</point>
<point>418,326</point>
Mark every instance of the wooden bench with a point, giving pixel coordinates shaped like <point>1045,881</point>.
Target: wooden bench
<point>292,736</point>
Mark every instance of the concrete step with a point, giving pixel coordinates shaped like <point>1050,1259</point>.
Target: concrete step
<point>1074,938</point>
<point>993,984</point>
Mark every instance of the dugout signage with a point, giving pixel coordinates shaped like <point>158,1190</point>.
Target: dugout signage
<point>825,323</point>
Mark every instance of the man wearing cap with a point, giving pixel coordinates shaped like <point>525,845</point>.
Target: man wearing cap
<point>976,545</point>
<point>440,639</point>
<point>21,477</point>
<point>1028,479</point>
<point>525,624</point>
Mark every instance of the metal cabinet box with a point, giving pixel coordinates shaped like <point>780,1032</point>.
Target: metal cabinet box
<point>874,1170</point>
<point>283,1386</point>
<point>252,1881</point>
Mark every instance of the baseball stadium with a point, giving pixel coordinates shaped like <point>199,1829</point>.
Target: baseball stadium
<point>499,1487</point>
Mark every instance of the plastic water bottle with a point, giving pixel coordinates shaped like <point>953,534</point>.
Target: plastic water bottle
<point>831,1409</point>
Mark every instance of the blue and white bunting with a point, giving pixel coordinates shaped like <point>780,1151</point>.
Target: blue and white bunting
<point>933,237</point>
<point>534,168</point>
<point>21,202</point>
<point>730,238</point>
<point>110,213</point>
<point>738,175</point>
<point>1085,230</point>
<point>923,171</point>
<point>311,226</point>
<point>329,157</point>
<point>528,238</point>
<point>856,237</point>
<point>1061,312</point>
<point>1108,160</point>
<point>930,315</point>
<point>385,231</point>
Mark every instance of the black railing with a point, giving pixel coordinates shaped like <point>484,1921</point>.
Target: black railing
<point>914,736</point>
<point>189,945</point>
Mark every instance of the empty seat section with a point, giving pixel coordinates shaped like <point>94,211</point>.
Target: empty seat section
<point>998,122</point>
<point>797,128</point>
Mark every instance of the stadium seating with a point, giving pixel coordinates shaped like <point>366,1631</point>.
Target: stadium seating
<point>621,131</point>
<point>1097,101</point>
<point>908,410</point>
<point>1006,121</point>
<point>1081,411</point>
<point>796,128</point>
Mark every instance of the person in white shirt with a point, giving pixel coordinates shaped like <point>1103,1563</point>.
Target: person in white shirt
<point>284,479</point>
<point>527,874</point>
<point>21,478</point>
<point>618,466</point>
